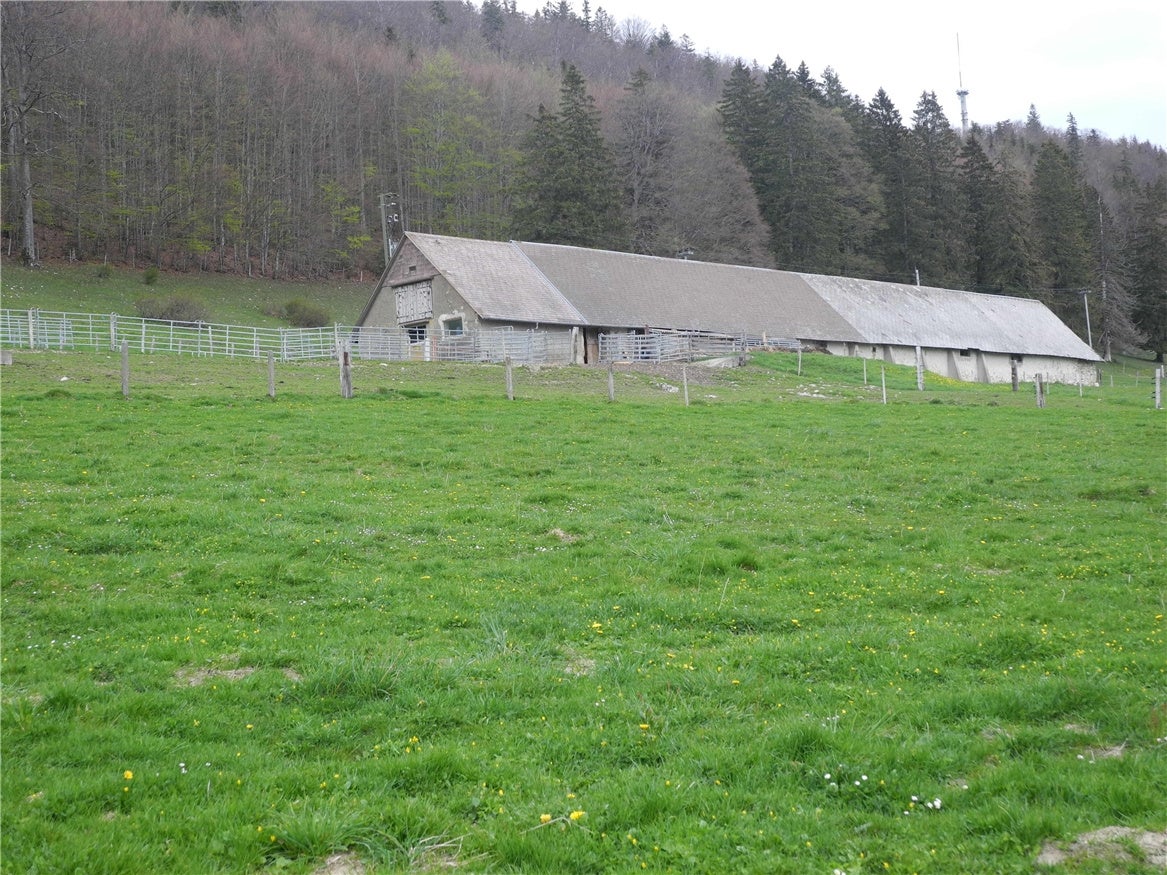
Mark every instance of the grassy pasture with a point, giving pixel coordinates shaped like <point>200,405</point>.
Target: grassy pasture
<point>229,299</point>
<point>784,629</point>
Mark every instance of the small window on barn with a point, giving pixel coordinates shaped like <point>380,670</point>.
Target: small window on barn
<point>454,326</point>
<point>1016,357</point>
<point>416,333</point>
<point>965,353</point>
<point>413,268</point>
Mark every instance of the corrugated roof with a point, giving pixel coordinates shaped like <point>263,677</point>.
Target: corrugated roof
<point>620,289</point>
<point>497,280</point>
<point>944,318</point>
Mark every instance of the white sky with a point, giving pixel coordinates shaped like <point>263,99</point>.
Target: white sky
<point>1106,62</point>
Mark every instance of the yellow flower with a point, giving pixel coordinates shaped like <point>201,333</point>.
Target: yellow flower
<point>128,775</point>
<point>576,815</point>
<point>644,726</point>
<point>544,818</point>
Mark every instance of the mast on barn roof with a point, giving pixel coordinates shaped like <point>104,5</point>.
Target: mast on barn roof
<point>392,225</point>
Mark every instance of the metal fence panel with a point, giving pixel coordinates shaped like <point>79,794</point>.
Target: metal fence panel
<point>41,329</point>
<point>681,346</point>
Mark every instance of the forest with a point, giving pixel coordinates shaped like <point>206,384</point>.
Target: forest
<point>278,139</point>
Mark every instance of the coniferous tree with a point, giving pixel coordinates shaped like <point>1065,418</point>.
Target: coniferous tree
<point>1149,266</point>
<point>885,143</point>
<point>936,230</point>
<point>1062,228</point>
<point>742,110</point>
<point>569,189</point>
<point>997,228</point>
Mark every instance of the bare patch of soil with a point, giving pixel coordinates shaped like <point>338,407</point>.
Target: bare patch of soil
<point>341,864</point>
<point>1117,844</point>
<point>196,677</point>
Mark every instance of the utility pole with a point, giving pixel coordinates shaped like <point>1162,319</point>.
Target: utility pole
<point>1085,293</point>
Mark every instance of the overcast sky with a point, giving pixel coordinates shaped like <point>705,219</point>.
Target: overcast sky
<point>1105,62</point>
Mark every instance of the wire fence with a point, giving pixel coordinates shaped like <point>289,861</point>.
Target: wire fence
<point>44,329</point>
<point>683,346</point>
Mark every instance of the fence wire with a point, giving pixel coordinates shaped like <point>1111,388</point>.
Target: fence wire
<point>44,329</point>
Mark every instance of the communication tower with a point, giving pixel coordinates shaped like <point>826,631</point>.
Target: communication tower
<point>962,92</point>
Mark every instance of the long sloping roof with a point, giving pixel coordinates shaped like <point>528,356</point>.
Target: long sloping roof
<point>943,318</point>
<point>634,291</point>
<point>497,280</point>
<point>567,285</point>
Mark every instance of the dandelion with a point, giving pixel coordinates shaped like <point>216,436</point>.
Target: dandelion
<point>128,775</point>
<point>644,726</point>
<point>577,815</point>
<point>544,818</point>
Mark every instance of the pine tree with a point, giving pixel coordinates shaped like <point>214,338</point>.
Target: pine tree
<point>569,189</point>
<point>742,111</point>
<point>1062,227</point>
<point>1149,266</point>
<point>936,231</point>
<point>997,228</point>
<point>885,143</point>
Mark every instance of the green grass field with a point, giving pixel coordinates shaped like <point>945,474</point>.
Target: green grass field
<point>784,629</point>
<point>229,299</point>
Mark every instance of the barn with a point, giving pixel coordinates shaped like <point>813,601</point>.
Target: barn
<point>439,291</point>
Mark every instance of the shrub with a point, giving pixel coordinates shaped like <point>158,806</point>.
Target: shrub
<point>176,308</point>
<point>301,314</point>
<point>150,275</point>
<point>103,272</point>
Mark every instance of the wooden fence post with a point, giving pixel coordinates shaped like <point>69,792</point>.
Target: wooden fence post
<point>125,369</point>
<point>883,381</point>
<point>271,376</point>
<point>1013,374</point>
<point>920,369</point>
<point>611,384</point>
<point>685,383</point>
<point>510,380</point>
<point>346,373</point>
<point>1158,388</point>
<point>1039,390</point>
